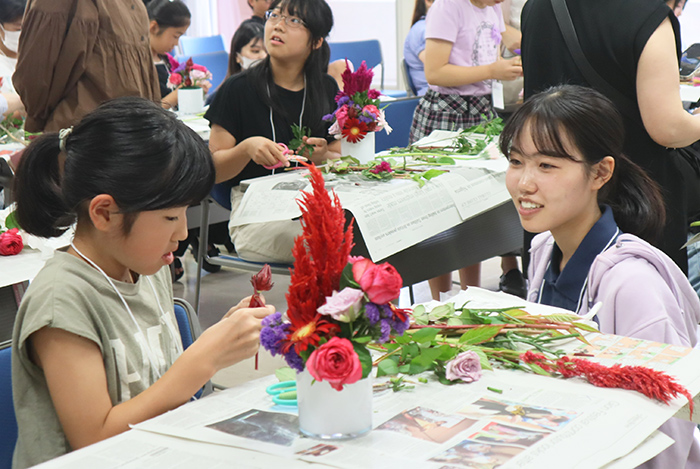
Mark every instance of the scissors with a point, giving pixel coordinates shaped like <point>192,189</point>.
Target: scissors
<point>289,154</point>
<point>283,393</point>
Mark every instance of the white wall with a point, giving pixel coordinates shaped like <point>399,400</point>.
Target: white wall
<point>690,23</point>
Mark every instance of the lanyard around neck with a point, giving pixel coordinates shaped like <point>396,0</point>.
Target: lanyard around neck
<point>301,114</point>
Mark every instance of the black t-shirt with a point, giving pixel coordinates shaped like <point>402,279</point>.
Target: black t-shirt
<point>163,70</point>
<point>612,34</point>
<point>239,109</point>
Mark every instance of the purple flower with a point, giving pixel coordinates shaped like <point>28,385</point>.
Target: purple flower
<point>274,331</point>
<point>344,305</point>
<point>328,117</point>
<point>294,361</point>
<point>465,366</point>
<point>401,326</point>
<point>343,100</point>
<point>373,313</point>
<point>365,119</point>
<point>386,330</point>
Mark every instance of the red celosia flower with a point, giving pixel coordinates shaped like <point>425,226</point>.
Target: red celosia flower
<point>357,81</point>
<point>354,130</point>
<point>320,255</point>
<point>652,383</point>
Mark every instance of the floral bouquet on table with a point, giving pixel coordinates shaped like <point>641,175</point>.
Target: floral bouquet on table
<point>187,74</point>
<point>358,110</point>
<point>337,304</point>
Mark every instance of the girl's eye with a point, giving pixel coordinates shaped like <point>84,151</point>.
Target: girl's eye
<point>297,21</point>
<point>172,218</point>
<point>514,162</point>
<point>546,166</point>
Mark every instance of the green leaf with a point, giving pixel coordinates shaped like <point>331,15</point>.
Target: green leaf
<point>422,320</point>
<point>403,339</point>
<point>441,312</point>
<point>433,173</point>
<point>404,368</point>
<point>447,353</point>
<point>537,369</point>
<point>427,357</point>
<point>286,374</point>
<point>563,317</point>
<point>425,335</point>
<point>365,358</point>
<point>387,367</point>
<point>362,340</point>
<point>347,279</point>
<point>416,368</point>
<point>418,179</point>
<point>455,322</point>
<point>11,221</point>
<point>480,334</point>
<point>418,310</point>
<point>585,327</point>
<point>445,160</point>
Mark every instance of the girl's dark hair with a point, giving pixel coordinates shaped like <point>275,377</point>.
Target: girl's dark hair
<point>246,32</point>
<point>169,13</point>
<point>593,126</point>
<point>318,18</point>
<point>129,148</point>
<point>419,11</point>
<point>11,10</point>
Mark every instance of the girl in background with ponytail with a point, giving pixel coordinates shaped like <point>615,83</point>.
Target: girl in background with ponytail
<point>597,212</point>
<point>96,345</point>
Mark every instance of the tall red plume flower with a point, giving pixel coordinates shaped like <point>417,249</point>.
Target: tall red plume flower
<point>652,383</point>
<point>320,255</point>
<point>357,81</point>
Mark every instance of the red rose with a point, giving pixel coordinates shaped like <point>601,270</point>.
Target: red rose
<point>382,282</point>
<point>335,362</point>
<point>10,242</point>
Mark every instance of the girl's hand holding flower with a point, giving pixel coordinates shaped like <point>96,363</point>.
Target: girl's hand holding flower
<point>265,152</point>
<point>322,151</point>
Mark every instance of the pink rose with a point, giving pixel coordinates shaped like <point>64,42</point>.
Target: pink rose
<point>335,362</point>
<point>371,109</point>
<point>465,366</point>
<point>175,79</point>
<point>382,282</point>
<point>197,74</point>
<point>344,305</point>
<point>10,242</point>
<point>341,115</point>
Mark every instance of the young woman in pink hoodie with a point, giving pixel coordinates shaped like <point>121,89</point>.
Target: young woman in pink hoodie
<point>597,212</point>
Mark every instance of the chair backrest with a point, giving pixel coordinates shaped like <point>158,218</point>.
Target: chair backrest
<point>190,330</point>
<point>399,115</point>
<point>356,51</point>
<point>201,45</point>
<point>221,193</point>
<point>410,86</point>
<point>8,422</point>
<point>215,62</point>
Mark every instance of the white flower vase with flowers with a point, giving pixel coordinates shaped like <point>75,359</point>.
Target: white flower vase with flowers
<point>188,79</point>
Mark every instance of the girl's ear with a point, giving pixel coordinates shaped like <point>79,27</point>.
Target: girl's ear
<point>104,213</point>
<point>603,171</point>
<point>317,44</point>
<point>153,28</point>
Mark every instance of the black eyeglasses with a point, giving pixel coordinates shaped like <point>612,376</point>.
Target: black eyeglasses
<point>291,21</point>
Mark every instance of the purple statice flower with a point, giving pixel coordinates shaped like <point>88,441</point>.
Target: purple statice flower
<point>386,309</point>
<point>328,117</point>
<point>273,333</point>
<point>373,313</point>
<point>401,326</point>
<point>385,326</point>
<point>365,119</point>
<point>294,360</point>
<point>344,100</point>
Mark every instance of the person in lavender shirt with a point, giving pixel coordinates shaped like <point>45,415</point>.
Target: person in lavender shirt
<point>414,47</point>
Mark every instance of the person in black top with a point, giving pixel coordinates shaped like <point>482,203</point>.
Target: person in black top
<point>253,112</point>
<point>634,46</point>
<point>259,8</point>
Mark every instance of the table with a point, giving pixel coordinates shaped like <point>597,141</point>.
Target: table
<point>457,219</point>
<point>613,424</point>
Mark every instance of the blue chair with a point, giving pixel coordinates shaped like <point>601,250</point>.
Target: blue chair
<point>8,422</point>
<point>411,89</point>
<point>201,45</point>
<point>399,115</point>
<point>215,62</point>
<point>221,195</point>
<point>370,51</point>
<point>190,330</point>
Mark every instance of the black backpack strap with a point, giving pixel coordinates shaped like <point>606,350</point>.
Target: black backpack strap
<point>626,105</point>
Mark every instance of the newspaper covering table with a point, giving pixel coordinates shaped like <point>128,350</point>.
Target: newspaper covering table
<point>392,215</point>
<point>533,422</point>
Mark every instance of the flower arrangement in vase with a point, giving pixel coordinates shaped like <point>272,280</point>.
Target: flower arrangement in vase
<point>192,82</point>
<point>358,114</point>
<point>337,305</point>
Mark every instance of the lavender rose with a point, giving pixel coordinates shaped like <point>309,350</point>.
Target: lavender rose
<point>465,366</point>
<point>344,305</point>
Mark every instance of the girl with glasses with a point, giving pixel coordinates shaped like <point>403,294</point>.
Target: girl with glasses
<point>254,111</point>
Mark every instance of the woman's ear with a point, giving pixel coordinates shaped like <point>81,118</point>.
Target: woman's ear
<point>104,213</point>
<point>603,171</point>
<point>317,44</point>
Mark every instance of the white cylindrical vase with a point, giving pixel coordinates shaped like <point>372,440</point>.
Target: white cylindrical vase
<point>362,150</point>
<point>190,100</point>
<point>327,414</point>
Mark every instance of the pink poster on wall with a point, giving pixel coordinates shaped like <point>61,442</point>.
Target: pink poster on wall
<point>231,13</point>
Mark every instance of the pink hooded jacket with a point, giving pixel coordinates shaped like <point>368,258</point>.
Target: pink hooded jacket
<point>646,296</point>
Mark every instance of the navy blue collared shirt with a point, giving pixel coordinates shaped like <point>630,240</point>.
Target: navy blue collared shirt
<point>565,288</point>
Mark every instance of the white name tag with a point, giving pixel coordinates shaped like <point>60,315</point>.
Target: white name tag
<point>497,95</point>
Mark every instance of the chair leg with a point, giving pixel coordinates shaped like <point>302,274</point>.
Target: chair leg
<point>201,252</point>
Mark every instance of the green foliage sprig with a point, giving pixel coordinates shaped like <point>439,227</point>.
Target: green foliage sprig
<point>297,143</point>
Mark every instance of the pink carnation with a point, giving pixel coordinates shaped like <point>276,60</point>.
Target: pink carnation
<point>341,115</point>
<point>373,94</point>
<point>175,79</point>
